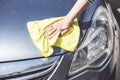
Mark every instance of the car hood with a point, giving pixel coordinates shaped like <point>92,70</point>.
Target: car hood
<point>15,41</point>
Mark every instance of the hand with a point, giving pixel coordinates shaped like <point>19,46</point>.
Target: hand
<point>61,26</point>
<point>64,24</point>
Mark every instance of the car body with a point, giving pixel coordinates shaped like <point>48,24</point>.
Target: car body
<point>94,58</point>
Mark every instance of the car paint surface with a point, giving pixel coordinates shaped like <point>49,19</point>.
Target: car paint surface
<point>15,41</point>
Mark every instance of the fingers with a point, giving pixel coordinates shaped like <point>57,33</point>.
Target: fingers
<point>49,28</point>
<point>50,32</point>
<point>63,32</point>
<point>56,27</point>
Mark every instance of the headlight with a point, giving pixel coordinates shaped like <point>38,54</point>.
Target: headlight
<point>97,44</point>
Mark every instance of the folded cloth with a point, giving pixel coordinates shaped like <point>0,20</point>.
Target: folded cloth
<point>68,41</point>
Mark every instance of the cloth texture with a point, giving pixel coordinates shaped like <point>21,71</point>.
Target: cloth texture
<point>68,41</point>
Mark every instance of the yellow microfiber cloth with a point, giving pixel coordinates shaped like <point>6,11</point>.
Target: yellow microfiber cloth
<point>68,41</point>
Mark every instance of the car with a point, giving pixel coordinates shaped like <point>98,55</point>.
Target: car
<point>116,11</point>
<point>95,57</point>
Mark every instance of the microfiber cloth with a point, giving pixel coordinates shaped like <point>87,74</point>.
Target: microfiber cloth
<point>68,41</point>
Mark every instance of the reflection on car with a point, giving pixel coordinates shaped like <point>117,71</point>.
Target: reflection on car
<point>93,59</point>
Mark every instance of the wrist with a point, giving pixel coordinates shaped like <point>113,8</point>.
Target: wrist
<point>68,20</point>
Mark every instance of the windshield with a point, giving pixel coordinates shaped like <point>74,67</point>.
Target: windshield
<point>15,42</point>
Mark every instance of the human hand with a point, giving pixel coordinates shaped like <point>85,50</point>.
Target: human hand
<point>61,26</point>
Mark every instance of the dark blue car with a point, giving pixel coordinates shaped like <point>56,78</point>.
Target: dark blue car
<point>95,58</point>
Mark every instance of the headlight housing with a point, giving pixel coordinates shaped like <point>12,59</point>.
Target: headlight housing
<point>97,44</point>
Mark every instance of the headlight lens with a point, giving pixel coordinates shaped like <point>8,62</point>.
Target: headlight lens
<point>97,45</point>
